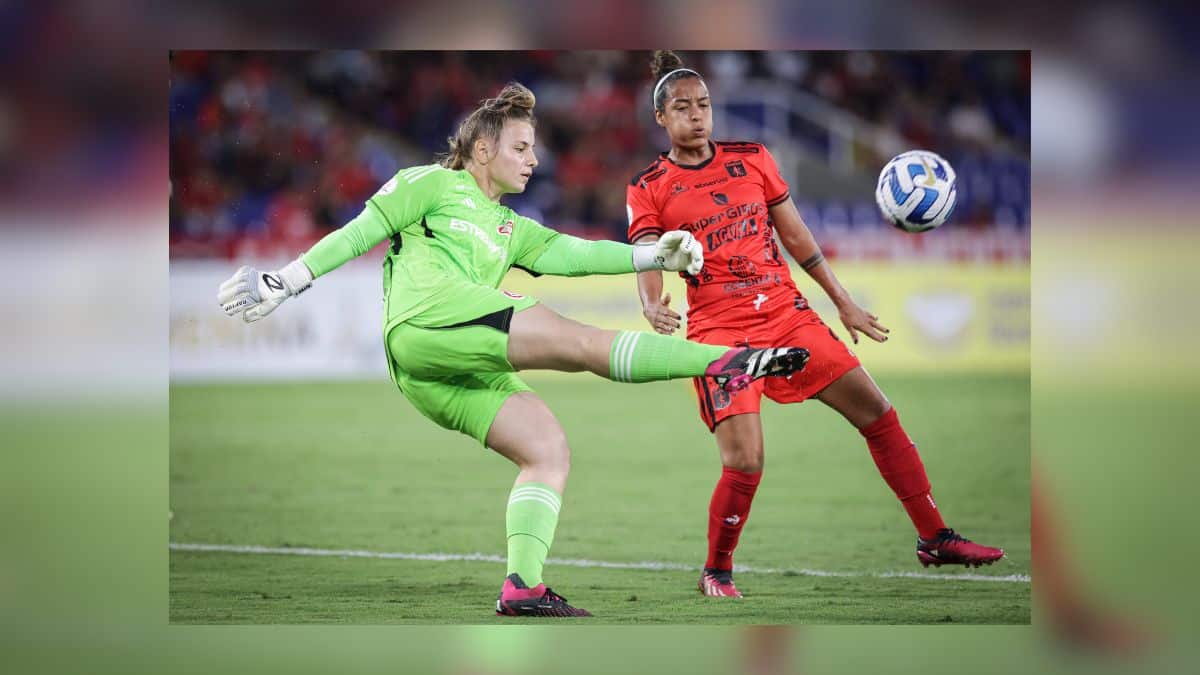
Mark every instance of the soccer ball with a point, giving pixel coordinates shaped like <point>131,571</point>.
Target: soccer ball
<point>916,191</point>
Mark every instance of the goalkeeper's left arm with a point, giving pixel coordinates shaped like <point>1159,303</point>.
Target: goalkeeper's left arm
<point>254,293</point>
<point>568,256</point>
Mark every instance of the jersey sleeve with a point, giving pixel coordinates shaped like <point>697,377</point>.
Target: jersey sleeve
<point>643,215</point>
<point>775,188</point>
<point>350,241</point>
<point>410,194</point>
<point>403,200</point>
<point>540,250</point>
<point>530,240</point>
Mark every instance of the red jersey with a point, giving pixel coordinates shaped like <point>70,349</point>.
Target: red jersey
<point>723,202</point>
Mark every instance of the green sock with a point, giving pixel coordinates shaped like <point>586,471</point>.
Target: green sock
<point>646,357</point>
<point>530,521</point>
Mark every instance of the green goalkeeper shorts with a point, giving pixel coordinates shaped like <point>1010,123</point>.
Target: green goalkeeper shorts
<point>451,360</point>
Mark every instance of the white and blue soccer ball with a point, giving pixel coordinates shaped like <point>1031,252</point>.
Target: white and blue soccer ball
<point>916,191</point>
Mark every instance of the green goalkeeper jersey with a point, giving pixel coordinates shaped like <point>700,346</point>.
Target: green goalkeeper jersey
<point>441,226</point>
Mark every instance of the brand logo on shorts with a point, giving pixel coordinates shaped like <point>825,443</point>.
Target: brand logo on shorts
<point>510,294</point>
<point>506,229</point>
<point>721,399</point>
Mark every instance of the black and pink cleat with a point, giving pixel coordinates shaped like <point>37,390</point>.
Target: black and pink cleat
<point>949,548</point>
<point>718,584</point>
<point>740,366</point>
<point>517,599</point>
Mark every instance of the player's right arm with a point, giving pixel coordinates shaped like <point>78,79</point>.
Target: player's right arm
<point>656,306</point>
<point>645,228</point>
<point>404,199</point>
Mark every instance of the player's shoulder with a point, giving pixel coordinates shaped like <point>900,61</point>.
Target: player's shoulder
<point>426,173</point>
<point>657,169</point>
<point>741,147</point>
<point>420,177</point>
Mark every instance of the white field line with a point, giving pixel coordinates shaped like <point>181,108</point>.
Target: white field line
<point>483,557</point>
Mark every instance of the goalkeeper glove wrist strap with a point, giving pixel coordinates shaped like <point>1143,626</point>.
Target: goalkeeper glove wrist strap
<point>644,258</point>
<point>296,277</point>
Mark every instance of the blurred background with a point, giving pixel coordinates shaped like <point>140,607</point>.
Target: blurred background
<point>272,150</point>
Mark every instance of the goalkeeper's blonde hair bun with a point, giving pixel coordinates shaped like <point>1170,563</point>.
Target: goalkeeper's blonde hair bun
<point>514,102</point>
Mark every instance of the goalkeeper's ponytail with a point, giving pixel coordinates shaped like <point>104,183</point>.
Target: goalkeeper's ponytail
<point>515,102</point>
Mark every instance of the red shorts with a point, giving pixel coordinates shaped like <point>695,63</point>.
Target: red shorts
<point>829,360</point>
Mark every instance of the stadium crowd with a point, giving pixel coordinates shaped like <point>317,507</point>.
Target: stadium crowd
<point>271,150</point>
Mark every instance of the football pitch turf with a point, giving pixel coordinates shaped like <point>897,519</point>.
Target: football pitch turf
<point>352,467</point>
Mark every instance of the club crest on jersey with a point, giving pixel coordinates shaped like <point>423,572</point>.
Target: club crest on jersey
<point>736,168</point>
<point>677,187</point>
<point>506,229</point>
<point>719,198</point>
<point>742,266</point>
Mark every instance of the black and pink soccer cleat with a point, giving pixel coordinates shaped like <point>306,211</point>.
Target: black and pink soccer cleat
<point>949,548</point>
<point>740,366</point>
<point>517,599</point>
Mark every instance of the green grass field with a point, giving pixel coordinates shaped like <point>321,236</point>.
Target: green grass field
<point>352,466</point>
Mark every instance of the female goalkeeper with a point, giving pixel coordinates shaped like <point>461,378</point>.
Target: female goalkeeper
<point>731,197</point>
<point>454,340</point>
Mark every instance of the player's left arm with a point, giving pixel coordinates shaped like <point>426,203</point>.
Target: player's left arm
<point>800,243</point>
<point>544,251</point>
<point>798,240</point>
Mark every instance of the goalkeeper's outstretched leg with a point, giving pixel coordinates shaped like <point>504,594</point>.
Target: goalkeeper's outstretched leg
<point>540,338</point>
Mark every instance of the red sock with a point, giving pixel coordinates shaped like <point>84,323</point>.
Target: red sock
<point>900,465</point>
<point>727,514</point>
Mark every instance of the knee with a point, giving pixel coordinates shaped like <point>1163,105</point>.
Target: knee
<point>574,349</point>
<point>879,410</point>
<point>874,412</point>
<point>552,453</point>
<point>746,456</point>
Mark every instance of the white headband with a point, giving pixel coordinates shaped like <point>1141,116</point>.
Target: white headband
<point>654,98</point>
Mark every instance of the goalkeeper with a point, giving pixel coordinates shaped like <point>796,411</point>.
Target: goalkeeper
<point>454,340</point>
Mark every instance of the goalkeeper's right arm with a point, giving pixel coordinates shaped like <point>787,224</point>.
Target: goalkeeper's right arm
<point>254,294</point>
<point>565,255</point>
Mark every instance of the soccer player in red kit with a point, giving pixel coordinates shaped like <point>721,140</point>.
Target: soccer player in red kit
<point>732,198</point>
